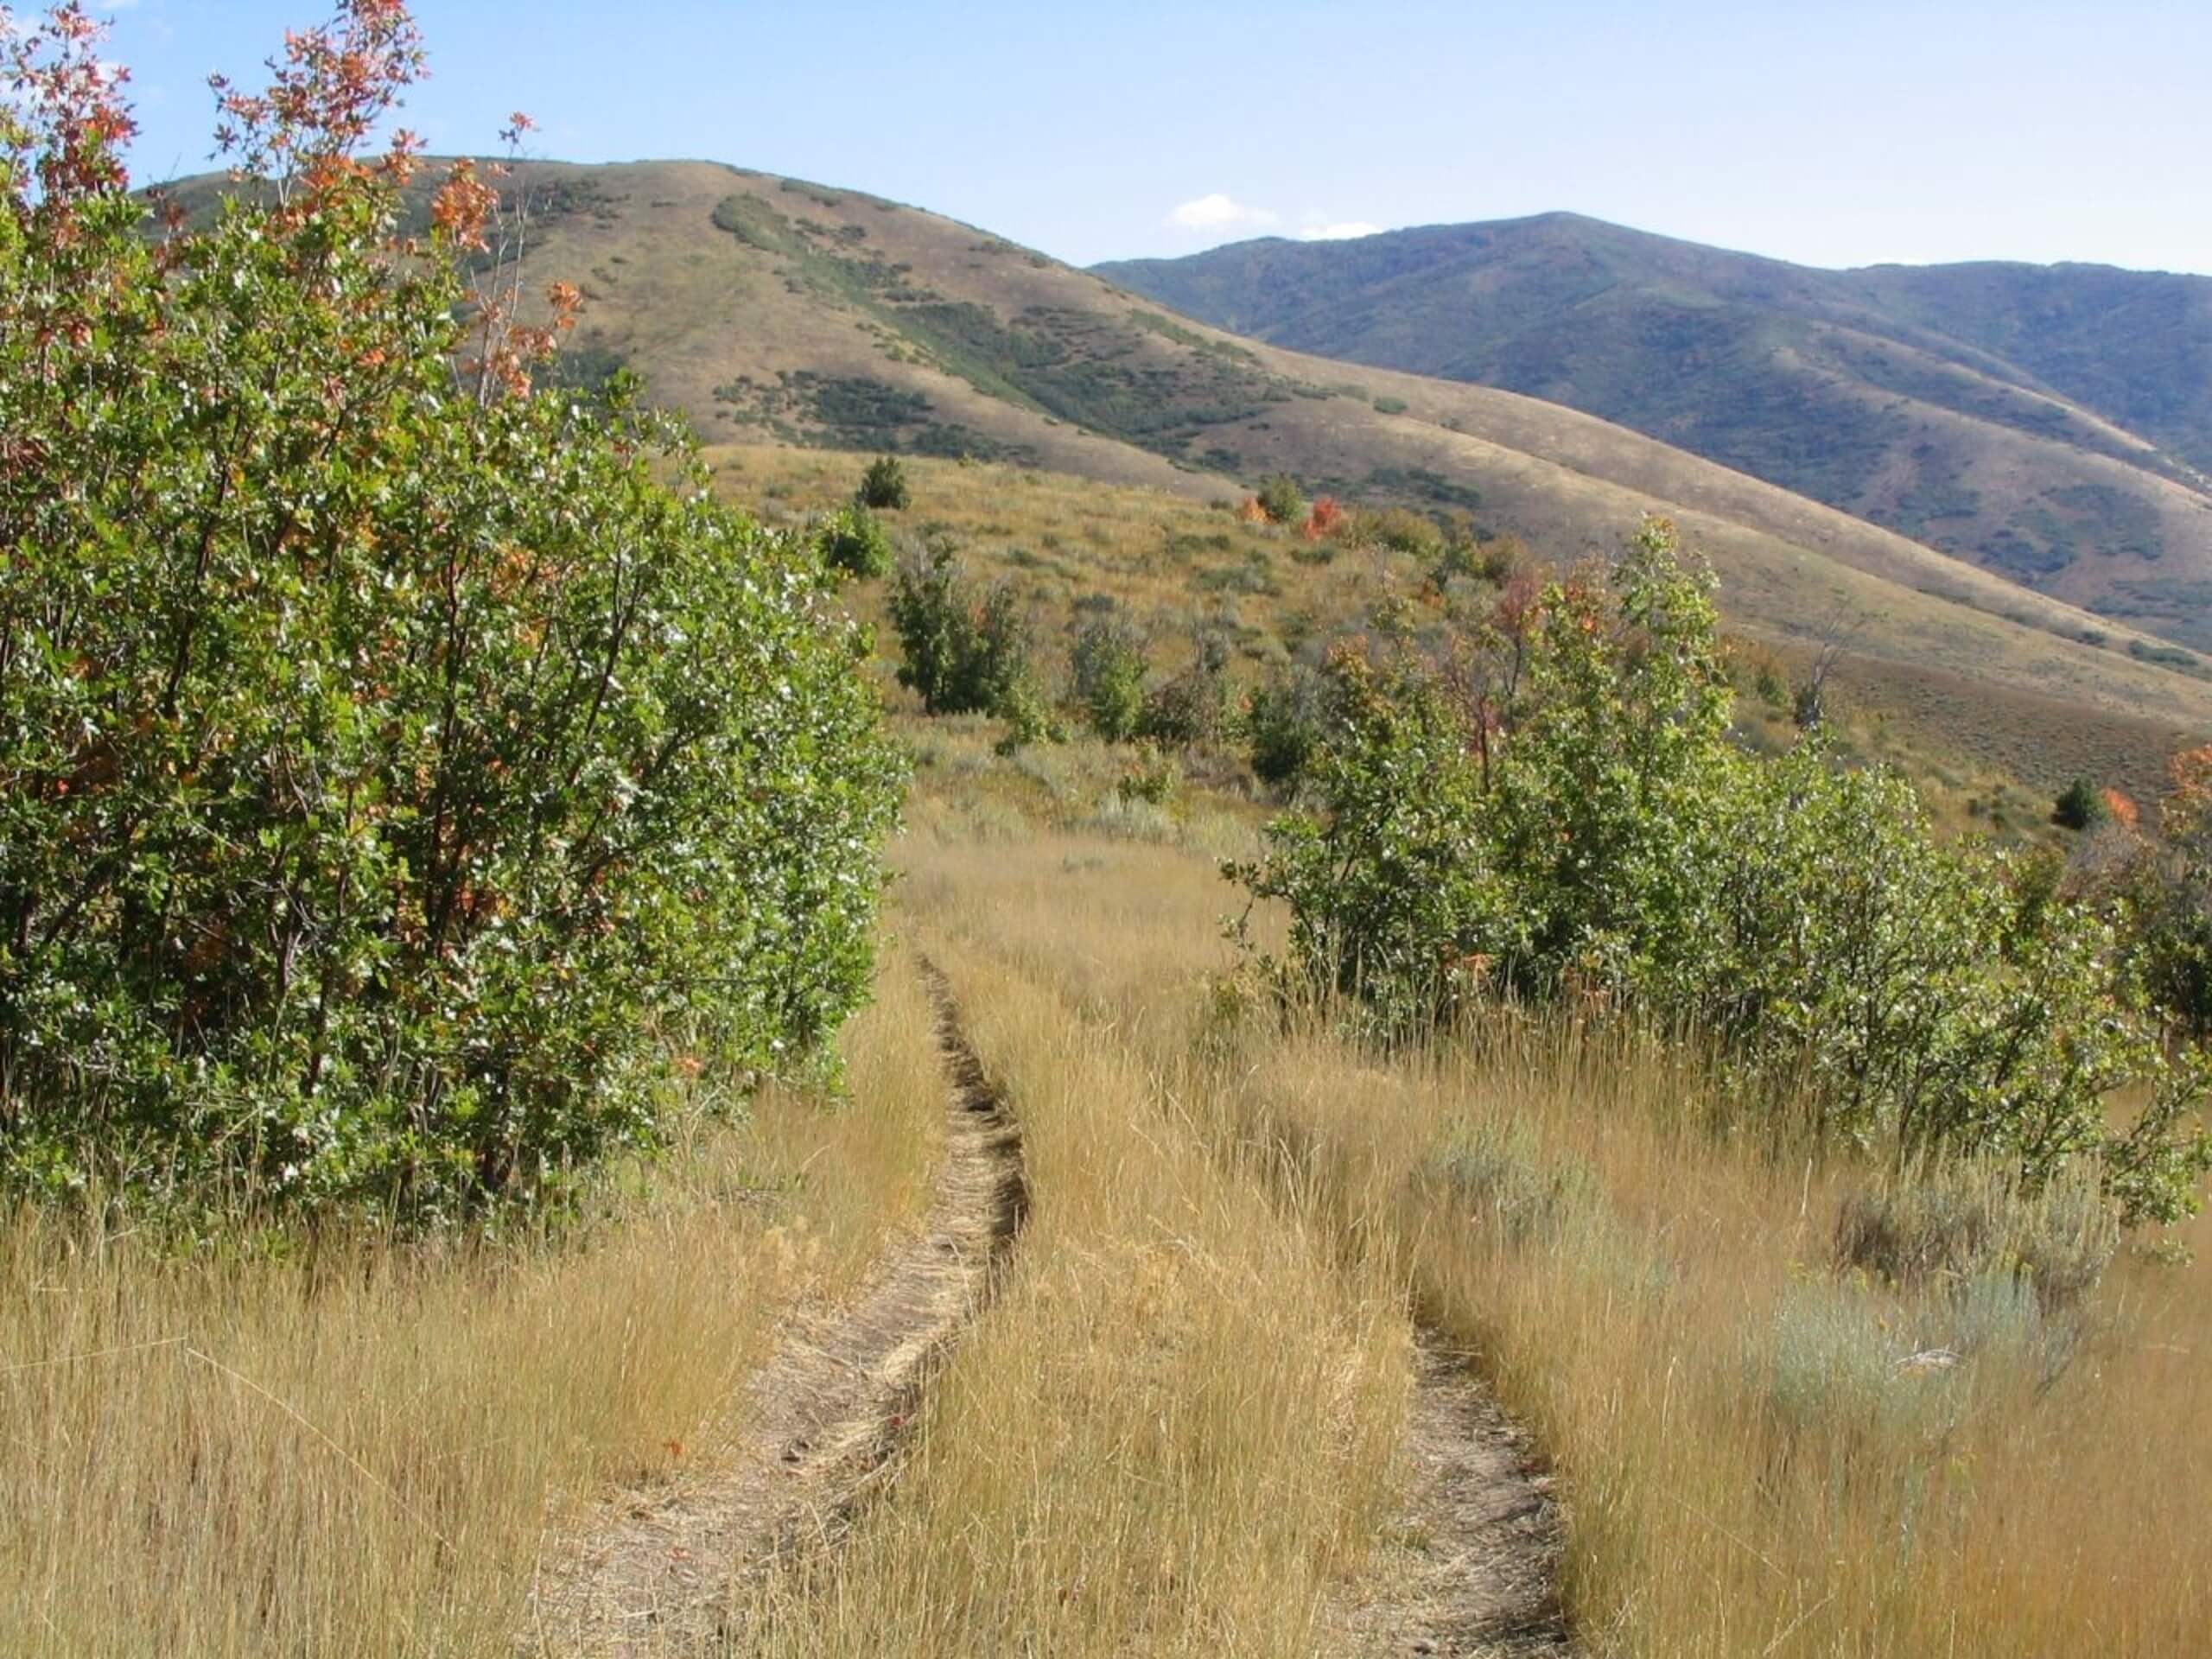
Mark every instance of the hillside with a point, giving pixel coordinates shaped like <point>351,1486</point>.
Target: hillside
<point>2054,425</point>
<point>775,311</point>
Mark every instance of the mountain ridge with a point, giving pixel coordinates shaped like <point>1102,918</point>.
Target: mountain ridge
<point>1974,407</point>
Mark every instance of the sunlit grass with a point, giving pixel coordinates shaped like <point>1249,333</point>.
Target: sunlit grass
<point>1177,1429</point>
<point>1764,1448</point>
<point>355,1444</point>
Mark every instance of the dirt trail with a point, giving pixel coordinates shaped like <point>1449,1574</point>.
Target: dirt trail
<point>652,1575</point>
<point>1470,1565</point>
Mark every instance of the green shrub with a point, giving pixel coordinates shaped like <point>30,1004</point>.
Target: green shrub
<point>1029,719</point>
<point>1808,706</point>
<point>1402,531</point>
<point>963,654</point>
<point>883,487</point>
<point>1282,728</point>
<point>1281,499</point>
<point>1460,555</point>
<point>2079,806</point>
<point>2164,892</point>
<point>853,541</point>
<point>1189,706</point>
<point>1561,813</point>
<point>1152,778</point>
<point>1107,670</point>
<point>391,770</point>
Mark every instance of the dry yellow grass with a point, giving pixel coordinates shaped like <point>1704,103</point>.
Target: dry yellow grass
<point>353,1446</point>
<point>1178,1429</point>
<point>1751,1465</point>
<point>1174,1433</point>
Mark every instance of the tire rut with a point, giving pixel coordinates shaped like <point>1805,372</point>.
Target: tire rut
<point>653,1574</point>
<point>1470,1565</point>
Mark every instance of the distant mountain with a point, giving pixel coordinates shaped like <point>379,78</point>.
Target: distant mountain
<point>2052,424</point>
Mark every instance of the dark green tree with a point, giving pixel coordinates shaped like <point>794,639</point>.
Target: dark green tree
<point>1283,727</point>
<point>883,487</point>
<point>2079,806</point>
<point>962,653</point>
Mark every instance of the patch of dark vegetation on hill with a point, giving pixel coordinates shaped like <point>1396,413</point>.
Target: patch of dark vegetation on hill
<point>2055,531</point>
<point>1093,371</point>
<point>2173,656</point>
<point>2180,608</point>
<point>855,412</point>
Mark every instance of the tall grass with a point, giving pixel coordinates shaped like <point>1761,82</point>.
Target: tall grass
<point>1176,1431</point>
<point>1794,1412</point>
<point>349,1446</point>
<point>1772,1440</point>
<point>1763,1450</point>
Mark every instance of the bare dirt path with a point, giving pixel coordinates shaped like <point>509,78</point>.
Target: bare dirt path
<point>1470,1566</point>
<point>652,1575</point>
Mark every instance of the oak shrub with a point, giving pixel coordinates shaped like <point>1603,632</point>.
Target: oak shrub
<point>1107,670</point>
<point>399,769</point>
<point>853,541</point>
<point>1554,812</point>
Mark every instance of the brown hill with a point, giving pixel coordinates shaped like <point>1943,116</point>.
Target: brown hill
<point>774,310</point>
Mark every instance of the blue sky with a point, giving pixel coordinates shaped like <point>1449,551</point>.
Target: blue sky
<point>1832,134</point>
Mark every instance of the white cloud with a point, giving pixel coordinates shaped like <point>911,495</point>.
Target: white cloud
<point>1344,232</point>
<point>1215,213</point>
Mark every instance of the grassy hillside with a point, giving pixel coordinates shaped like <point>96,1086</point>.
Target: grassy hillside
<point>1185,1426</point>
<point>1749,1468</point>
<point>2053,425</point>
<point>774,311</point>
<point>771,309</point>
<point>1753,1277</point>
<point>1958,706</point>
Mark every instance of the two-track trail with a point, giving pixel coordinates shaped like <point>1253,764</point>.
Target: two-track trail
<point>652,1575</point>
<point>1470,1566</point>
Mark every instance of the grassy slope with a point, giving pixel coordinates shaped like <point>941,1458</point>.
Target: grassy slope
<point>1749,1468</point>
<point>770,309</point>
<point>1969,734</point>
<point>2051,424</point>
<point>1016,355</point>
